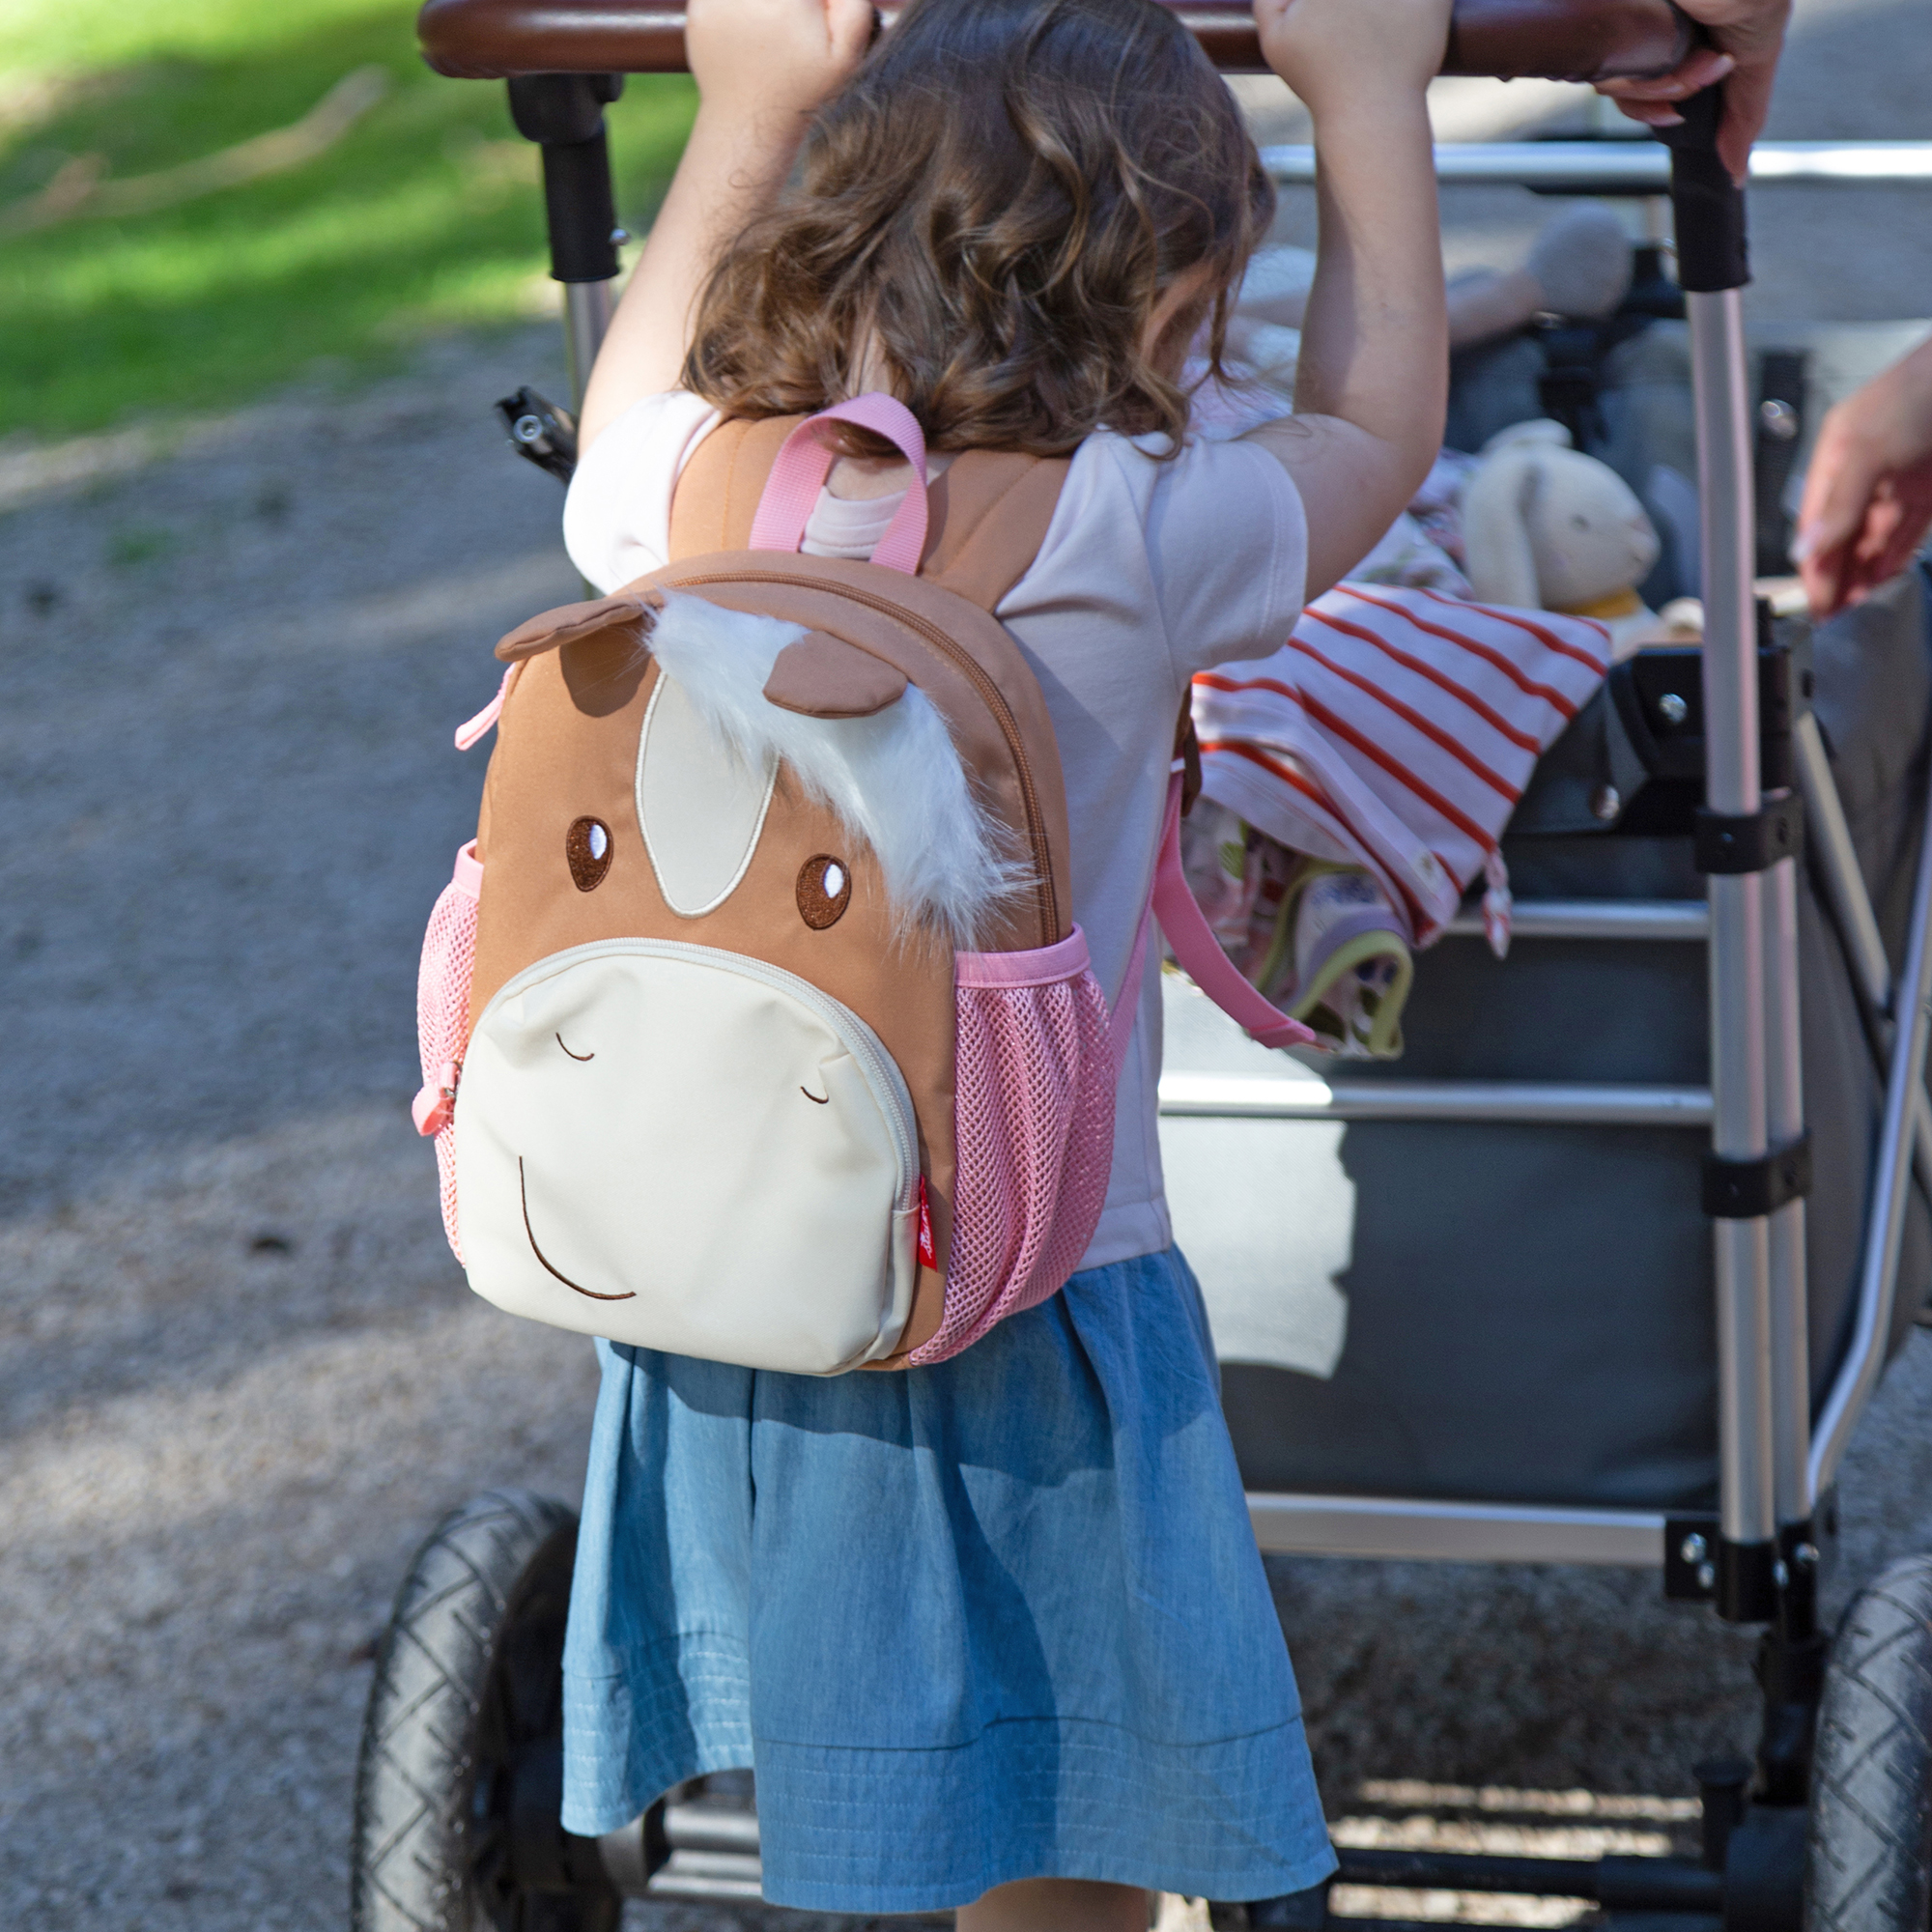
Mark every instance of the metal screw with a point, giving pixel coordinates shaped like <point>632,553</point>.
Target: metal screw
<point>1694,1549</point>
<point>1805,1556</point>
<point>527,429</point>
<point>1707,1576</point>
<point>1673,707</point>
<point>1779,419</point>
<point>1605,802</point>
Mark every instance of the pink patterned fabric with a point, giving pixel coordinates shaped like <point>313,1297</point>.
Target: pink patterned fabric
<point>799,474</point>
<point>1033,1125</point>
<point>1396,730</point>
<point>442,1021</point>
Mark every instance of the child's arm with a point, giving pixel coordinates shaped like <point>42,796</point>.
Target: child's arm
<point>1372,379</point>
<point>761,67</point>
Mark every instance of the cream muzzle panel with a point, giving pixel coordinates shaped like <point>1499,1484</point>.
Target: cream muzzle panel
<point>672,1147</point>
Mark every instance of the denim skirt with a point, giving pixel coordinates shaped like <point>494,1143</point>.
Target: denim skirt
<point>994,1619</point>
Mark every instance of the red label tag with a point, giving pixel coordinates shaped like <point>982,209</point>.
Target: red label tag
<point>928,1255</point>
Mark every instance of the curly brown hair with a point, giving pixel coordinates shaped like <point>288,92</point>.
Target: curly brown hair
<point>992,209</point>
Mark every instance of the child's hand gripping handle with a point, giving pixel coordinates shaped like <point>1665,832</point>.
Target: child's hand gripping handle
<point>1709,206</point>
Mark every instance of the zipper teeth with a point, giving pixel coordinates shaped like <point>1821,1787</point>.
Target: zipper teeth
<point>881,1071</point>
<point>990,694</point>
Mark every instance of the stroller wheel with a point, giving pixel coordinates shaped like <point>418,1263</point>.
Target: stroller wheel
<point>460,1779</point>
<point>1868,1855</point>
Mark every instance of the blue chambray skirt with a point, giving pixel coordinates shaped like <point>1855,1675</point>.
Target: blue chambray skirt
<point>994,1619</point>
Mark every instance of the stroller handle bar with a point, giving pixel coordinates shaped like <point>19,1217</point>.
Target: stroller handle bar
<point>1555,40</point>
<point>1639,166</point>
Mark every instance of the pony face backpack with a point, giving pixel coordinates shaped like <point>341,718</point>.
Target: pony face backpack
<point>754,1023</point>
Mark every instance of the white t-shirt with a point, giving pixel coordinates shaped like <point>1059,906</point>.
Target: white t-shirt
<point>1149,572</point>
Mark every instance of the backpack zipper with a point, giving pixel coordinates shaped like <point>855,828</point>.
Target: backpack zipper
<point>990,694</point>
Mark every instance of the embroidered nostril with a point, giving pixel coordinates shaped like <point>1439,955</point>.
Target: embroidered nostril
<point>586,846</point>
<point>558,1037</point>
<point>824,891</point>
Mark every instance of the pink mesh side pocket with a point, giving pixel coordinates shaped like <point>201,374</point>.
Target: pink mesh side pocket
<point>1032,1117</point>
<point>443,1020</point>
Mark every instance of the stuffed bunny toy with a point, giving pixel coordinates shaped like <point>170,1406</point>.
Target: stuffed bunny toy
<point>1545,526</point>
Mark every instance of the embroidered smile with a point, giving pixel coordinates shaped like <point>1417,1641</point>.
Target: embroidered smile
<point>523,1188</point>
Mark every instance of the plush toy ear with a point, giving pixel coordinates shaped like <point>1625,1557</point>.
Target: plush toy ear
<point>1500,563</point>
<point>634,610</point>
<point>822,677</point>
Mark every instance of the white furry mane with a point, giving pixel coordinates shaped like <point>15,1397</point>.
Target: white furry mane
<point>894,780</point>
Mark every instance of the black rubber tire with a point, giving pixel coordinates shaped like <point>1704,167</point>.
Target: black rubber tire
<point>1868,1851</point>
<point>468,1672</point>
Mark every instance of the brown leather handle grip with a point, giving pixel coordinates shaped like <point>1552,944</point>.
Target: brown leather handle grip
<point>1557,40</point>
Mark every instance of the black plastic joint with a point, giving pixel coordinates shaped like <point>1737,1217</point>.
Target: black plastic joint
<point>1750,841</point>
<point>1748,1190</point>
<point>1747,1590</point>
<point>1712,251</point>
<point>564,114</point>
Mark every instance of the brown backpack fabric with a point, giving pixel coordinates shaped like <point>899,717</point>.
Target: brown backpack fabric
<point>627,775</point>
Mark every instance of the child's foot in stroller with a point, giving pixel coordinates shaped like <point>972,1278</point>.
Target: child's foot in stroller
<point>1348,965</point>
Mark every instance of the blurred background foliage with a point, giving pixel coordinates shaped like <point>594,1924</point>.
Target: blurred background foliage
<point>143,272</point>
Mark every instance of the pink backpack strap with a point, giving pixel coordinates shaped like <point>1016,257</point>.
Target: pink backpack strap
<point>1196,948</point>
<point>799,473</point>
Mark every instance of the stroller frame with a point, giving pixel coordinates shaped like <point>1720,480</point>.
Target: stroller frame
<point>1757,1561</point>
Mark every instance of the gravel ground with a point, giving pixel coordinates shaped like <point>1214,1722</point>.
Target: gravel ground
<point>239,1376</point>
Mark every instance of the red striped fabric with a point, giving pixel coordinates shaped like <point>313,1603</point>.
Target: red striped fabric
<point>1396,730</point>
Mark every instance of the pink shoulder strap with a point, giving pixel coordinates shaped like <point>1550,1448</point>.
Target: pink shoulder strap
<point>799,473</point>
<point>1196,948</point>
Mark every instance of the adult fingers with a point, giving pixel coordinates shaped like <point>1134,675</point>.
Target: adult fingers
<point>1702,68</point>
<point>1747,103</point>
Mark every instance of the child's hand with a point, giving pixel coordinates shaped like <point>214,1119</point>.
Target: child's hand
<point>1331,51</point>
<point>754,58</point>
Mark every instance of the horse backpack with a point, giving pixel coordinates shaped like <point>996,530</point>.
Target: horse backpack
<point>755,1024</point>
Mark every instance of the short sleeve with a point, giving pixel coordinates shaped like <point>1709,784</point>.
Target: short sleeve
<point>616,519</point>
<point>1227,553</point>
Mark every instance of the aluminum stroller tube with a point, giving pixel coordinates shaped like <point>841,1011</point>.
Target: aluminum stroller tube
<point>1884,1225</point>
<point>1712,265</point>
<point>1784,1121</point>
<point>1830,838</point>
<point>586,315</point>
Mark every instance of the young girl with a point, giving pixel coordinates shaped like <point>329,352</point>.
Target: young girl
<point>994,1633</point>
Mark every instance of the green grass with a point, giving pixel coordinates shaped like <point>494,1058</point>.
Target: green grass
<point>425,216</point>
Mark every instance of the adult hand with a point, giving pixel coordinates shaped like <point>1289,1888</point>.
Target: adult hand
<point>1748,35</point>
<point>760,58</point>
<point>1868,493</point>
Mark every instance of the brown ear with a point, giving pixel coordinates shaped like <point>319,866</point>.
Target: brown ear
<point>822,677</point>
<point>634,610</point>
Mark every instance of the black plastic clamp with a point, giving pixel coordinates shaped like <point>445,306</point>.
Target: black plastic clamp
<point>1746,1190</point>
<point>1712,251</point>
<point>1750,841</point>
<point>564,113</point>
<point>1747,1591</point>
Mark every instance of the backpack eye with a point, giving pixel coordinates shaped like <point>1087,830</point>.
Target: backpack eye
<point>586,848</point>
<point>824,891</point>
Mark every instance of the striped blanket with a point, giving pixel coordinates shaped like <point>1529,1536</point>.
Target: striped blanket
<point>1396,730</point>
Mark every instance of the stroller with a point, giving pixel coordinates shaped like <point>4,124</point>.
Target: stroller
<point>1380,1247</point>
